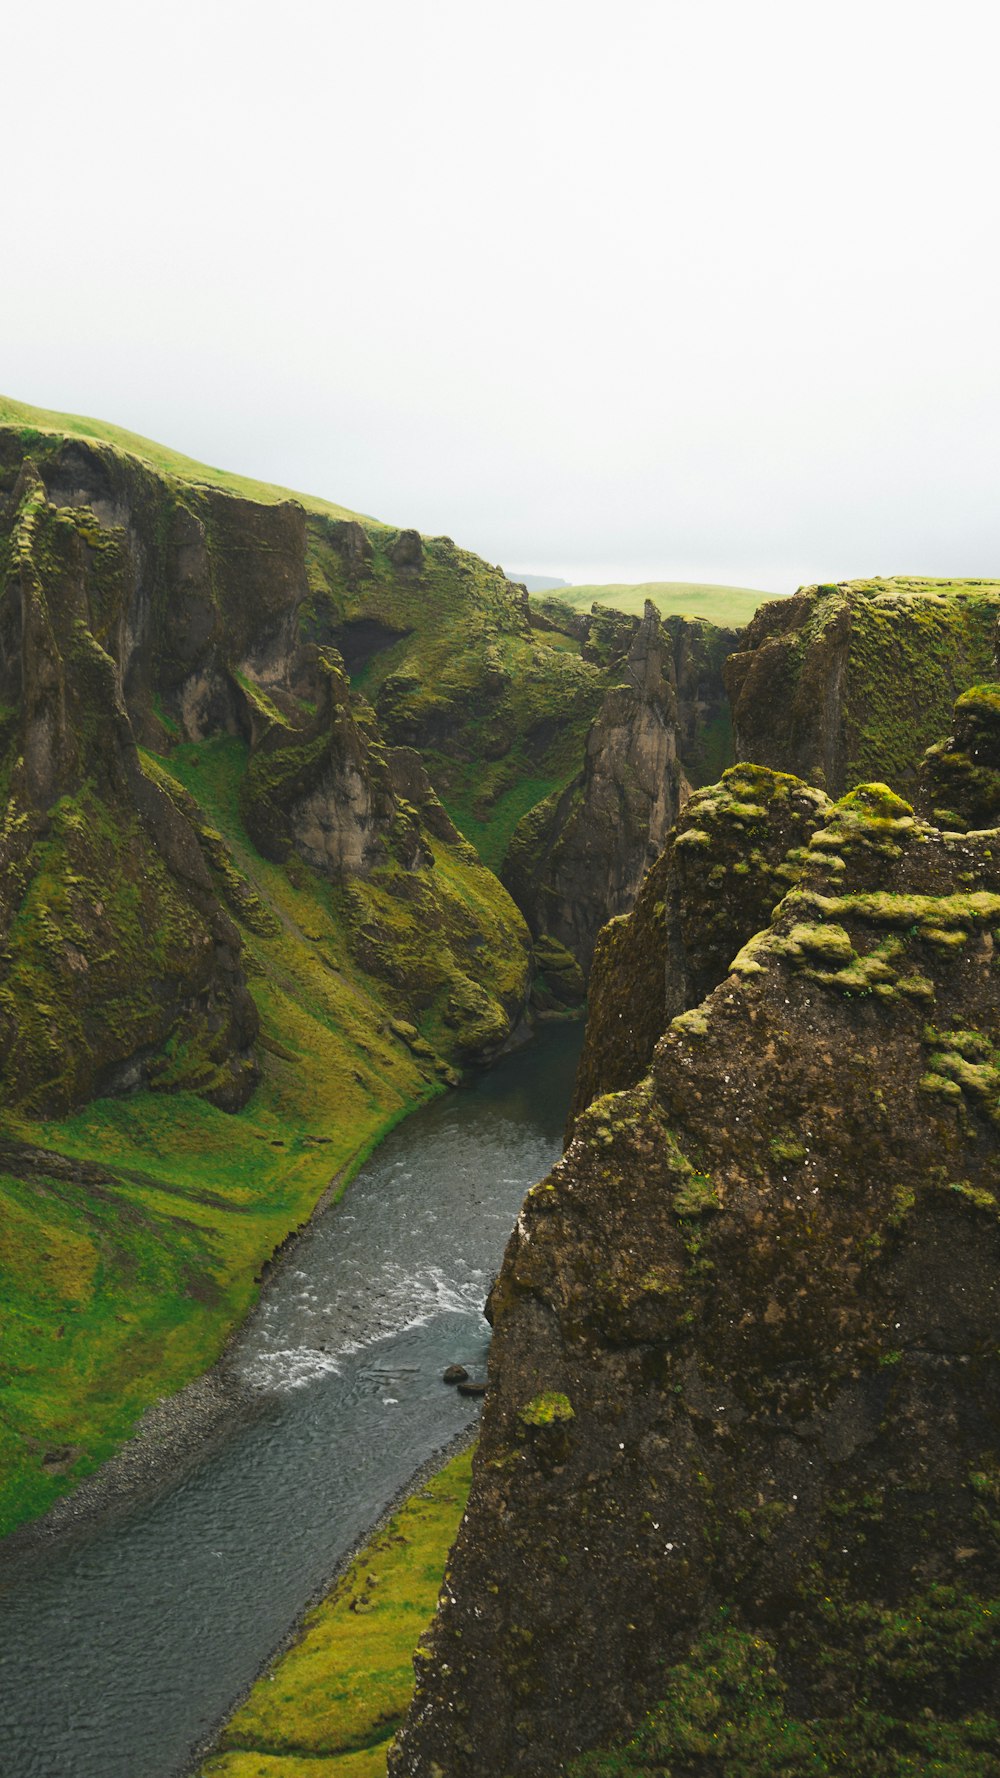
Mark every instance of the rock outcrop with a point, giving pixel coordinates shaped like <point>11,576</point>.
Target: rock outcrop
<point>578,858</point>
<point>737,1497</point>
<point>841,684</point>
<point>141,616</point>
<point>960,777</point>
<point>120,963</point>
<point>737,848</point>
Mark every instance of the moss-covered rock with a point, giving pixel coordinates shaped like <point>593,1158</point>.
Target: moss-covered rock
<point>218,882</point>
<point>736,849</point>
<point>960,777</point>
<point>120,963</point>
<point>843,684</point>
<point>139,607</point>
<point>765,1277</point>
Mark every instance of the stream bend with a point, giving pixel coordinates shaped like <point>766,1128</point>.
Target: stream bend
<point>121,1651</point>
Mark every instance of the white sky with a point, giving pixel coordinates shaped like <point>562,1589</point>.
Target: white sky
<point>691,289</point>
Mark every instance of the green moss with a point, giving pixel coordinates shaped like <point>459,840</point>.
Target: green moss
<point>924,912</point>
<point>826,944</point>
<point>691,1024</point>
<point>102,938</point>
<point>549,1409</point>
<point>983,699</point>
<point>728,1709</point>
<point>915,645</point>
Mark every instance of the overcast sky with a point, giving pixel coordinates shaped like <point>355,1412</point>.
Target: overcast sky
<point>675,290</point>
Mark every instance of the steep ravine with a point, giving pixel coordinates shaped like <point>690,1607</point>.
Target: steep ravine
<point>735,1499</point>
<point>262,760</point>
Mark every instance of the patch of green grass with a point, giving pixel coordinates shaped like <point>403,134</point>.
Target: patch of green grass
<point>491,836</point>
<point>729,606</point>
<point>334,1701</point>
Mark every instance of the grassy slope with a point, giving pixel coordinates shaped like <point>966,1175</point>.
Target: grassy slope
<point>330,1706</point>
<point>161,457</point>
<point>128,1261</point>
<point>136,1281</point>
<point>500,716</point>
<point>728,606</point>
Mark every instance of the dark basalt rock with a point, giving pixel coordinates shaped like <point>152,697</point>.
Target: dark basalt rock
<point>455,1373</point>
<point>408,552</point>
<point>745,1387</point>
<point>736,850</point>
<point>121,966</point>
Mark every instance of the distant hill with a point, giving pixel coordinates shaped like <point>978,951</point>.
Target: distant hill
<point>32,420</point>
<point>536,583</point>
<point>731,606</point>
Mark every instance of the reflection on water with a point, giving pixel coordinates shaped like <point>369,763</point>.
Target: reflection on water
<point>118,1655</point>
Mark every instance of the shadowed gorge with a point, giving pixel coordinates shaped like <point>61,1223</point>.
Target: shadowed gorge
<point>731,1505</point>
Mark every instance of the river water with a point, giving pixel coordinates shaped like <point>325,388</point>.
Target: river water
<point>120,1652</point>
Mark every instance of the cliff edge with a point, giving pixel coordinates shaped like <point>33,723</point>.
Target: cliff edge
<point>737,1498</point>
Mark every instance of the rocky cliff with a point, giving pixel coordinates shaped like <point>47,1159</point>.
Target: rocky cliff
<point>577,859</point>
<point>960,777</point>
<point>224,888</point>
<point>846,683</point>
<point>735,1505</point>
<point>737,848</point>
<point>137,617</point>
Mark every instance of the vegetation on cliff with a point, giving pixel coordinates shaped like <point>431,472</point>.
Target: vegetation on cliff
<point>741,1435</point>
<point>763,1538</point>
<point>960,777</point>
<point>842,684</point>
<point>579,857</point>
<point>736,849</point>
<point>222,888</point>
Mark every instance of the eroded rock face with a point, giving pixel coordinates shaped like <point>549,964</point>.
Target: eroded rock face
<point>139,615</point>
<point>960,777</point>
<point>846,683</point>
<point>322,788</point>
<point>121,966</point>
<point>745,1392</point>
<point>577,859</point>
<point>736,849</point>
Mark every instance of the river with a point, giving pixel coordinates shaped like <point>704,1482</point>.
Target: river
<point>121,1650</point>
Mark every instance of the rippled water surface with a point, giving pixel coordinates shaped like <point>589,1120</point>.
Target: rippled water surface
<point>119,1654</point>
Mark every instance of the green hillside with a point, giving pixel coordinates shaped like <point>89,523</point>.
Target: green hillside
<point>161,457</point>
<point>729,606</point>
<point>138,1210</point>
